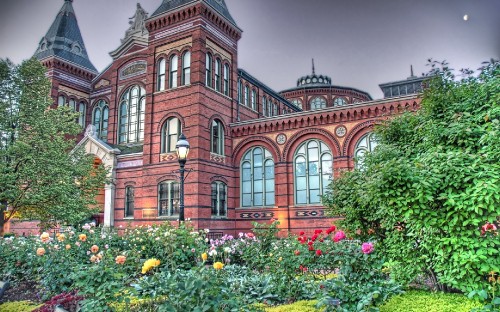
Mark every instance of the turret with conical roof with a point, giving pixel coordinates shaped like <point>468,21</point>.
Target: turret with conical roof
<point>64,40</point>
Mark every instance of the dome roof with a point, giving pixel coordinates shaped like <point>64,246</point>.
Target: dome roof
<point>314,80</point>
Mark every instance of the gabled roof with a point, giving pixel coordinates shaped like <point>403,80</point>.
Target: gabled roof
<point>64,40</point>
<point>172,5</point>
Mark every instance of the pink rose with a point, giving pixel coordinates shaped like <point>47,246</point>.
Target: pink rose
<point>340,235</point>
<point>367,248</point>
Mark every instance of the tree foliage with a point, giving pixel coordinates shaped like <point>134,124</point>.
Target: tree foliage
<point>42,176</point>
<point>431,190</point>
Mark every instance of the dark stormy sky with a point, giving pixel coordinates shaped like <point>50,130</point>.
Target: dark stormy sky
<point>358,43</point>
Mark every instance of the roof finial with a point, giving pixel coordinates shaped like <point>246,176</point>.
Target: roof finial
<point>313,67</point>
<point>411,70</point>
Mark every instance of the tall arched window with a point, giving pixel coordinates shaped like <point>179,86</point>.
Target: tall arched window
<point>131,119</point>
<point>318,103</point>
<point>219,199</point>
<point>218,77</point>
<point>254,96</point>
<point>208,70</point>
<point>170,135</point>
<point>339,102</point>
<point>129,202</point>
<point>264,106</point>
<point>186,68</point>
<point>247,97</point>
<point>168,199</point>
<point>365,144</point>
<point>257,178</point>
<point>72,104</point>
<point>174,63</point>
<point>240,91</point>
<point>82,111</point>
<point>217,138</point>
<point>100,117</point>
<point>226,80</point>
<point>160,79</point>
<point>61,100</point>
<point>313,171</point>
<point>270,107</point>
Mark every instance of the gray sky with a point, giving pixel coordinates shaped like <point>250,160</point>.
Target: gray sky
<point>358,43</point>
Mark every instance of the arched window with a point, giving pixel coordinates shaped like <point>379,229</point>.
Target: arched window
<point>365,144</point>
<point>100,120</point>
<point>72,104</point>
<point>240,92</point>
<point>168,199</point>
<point>313,171</point>
<point>219,199</point>
<point>218,77</point>
<point>297,103</point>
<point>257,178</point>
<point>160,80</point>
<point>174,63</point>
<point>170,135</point>
<point>129,202</point>
<point>270,107</point>
<point>82,111</point>
<point>264,106</point>
<point>217,138</point>
<point>247,98</point>
<point>254,96</point>
<point>186,68</point>
<point>61,100</point>
<point>276,109</point>
<point>226,80</point>
<point>318,103</point>
<point>131,119</point>
<point>339,102</point>
<point>208,70</point>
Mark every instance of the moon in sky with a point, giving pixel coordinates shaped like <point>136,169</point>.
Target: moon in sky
<point>466,17</point>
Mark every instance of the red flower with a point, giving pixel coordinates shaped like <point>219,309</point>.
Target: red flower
<point>296,252</point>
<point>310,243</point>
<point>319,252</point>
<point>302,233</point>
<point>488,227</point>
<point>314,237</point>
<point>311,247</point>
<point>321,286</point>
<point>331,230</point>
<point>318,231</point>
<point>321,240</point>
<point>303,268</point>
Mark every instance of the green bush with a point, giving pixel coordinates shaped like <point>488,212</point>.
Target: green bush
<point>298,306</point>
<point>424,301</point>
<point>18,306</point>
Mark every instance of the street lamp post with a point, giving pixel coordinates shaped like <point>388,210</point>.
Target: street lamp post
<point>182,148</point>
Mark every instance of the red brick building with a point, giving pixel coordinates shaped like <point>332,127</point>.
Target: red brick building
<point>256,154</point>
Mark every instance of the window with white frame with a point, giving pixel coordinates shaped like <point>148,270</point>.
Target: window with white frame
<point>186,68</point>
<point>170,133</point>
<point>340,101</point>
<point>226,80</point>
<point>312,171</point>
<point>217,138</point>
<point>160,79</point>
<point>174,63</point>
<point>168,199</point>
<point>219,199</point>
<point>218,77</point>
<point>318,103</point>
<point>257,178</point>
<point>131,115</point>
<point>366,144</point>
<point>100,117</point>
<point>208,70</point>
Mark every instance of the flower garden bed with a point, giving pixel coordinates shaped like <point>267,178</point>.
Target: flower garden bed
<point>166,268</point>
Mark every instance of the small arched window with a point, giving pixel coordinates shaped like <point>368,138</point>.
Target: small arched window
<point>174,63</point>
<point>366,144</point>
<point>170,135</point>
<point>168,199</point>
<point>208,70</point>
<point>217,138</point>
<point>313,171</point>
<point>257,178</point>
<point>61,100</point>
<point>338,102</point>
<point>218,77</point>
<point>100,117</point>
<point>160,79</point>
<point>82,112</point>
<point>254,96</point>
<point>318,103</point>
<point>72,104</point>
<point>219,199</point>
<point>240,91</point>
<point>264,106</point>
<point>297,103</point>
<point>226,80</point>
<point>129,202</point>
<point>270,107</point>
<point>131,118</point>
<point>186,68</point>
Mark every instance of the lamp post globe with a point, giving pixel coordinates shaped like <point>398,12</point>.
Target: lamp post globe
<point>182,149</point>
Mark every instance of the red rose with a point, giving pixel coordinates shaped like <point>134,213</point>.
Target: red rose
<point>319,252</point>
<point>331,229</point>
<point>311,248</point>
<point>318,231</point>
<point>302,233</point>
<point>310,243</point>
<point>296,252</point>
<point>314,237</point>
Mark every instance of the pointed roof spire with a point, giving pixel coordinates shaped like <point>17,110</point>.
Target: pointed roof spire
<point>411,73</point>
<point>313,67</point>
<point>172,5</point>
<point>64,40</point>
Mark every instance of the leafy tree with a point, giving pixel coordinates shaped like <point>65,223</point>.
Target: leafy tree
<point>42,176</point>
<point>431,190</point>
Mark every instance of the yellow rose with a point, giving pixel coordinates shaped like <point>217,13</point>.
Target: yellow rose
<point>149,264</point>
<point>68,247</point>
<point>61,237</point>
<point>204,256</point>
<point>82,237</point>
<point>45,237</point>
<point>40,251</point>
<point>218,265</point>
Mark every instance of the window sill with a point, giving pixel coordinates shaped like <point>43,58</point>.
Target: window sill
<point>219,218</point>
<point>128,218</point>
<point>175,218</point>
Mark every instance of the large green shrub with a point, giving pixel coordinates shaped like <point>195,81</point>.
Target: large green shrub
<point>430,193</point>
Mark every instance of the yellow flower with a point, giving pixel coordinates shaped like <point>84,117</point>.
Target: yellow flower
<point>204,256</point>
<point>218,265</point>
<point>149,264</point>
<point>82,237</point>
<point>280,259</point>
<point>40,251</point>
<point>94,248</point>
<point>45,237</point>
<point>68,246</point>
<point>61,237</point>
